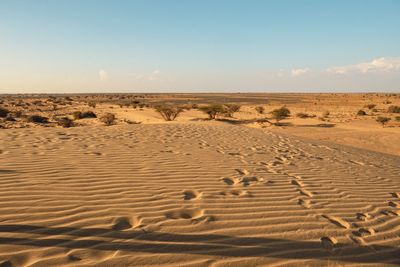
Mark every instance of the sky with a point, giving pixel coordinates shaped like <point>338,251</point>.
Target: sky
<point>79,46</point>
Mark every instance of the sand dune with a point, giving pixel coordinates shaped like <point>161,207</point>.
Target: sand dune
<point>193,194</point>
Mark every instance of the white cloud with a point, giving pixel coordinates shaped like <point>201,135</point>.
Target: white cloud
<point>299,72</point>
<point>103,75</point>
<point>377,65</point>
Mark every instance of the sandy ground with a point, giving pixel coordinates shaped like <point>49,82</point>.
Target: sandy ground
<point>201,193</point>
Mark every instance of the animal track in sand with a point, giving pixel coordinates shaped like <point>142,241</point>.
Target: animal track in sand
<point>191,194</point>
<point>305,192</point>
<point>242,171</point>
<point>230,181</point>
<point>328,242</point>
<point>124,223</point>
<point>337,221</point>
<point>364,232</point>
<point>236,193</point>
<point>306,203</point>
<point>246,181</point>
<point>363,216</point>
<point>185,214</point>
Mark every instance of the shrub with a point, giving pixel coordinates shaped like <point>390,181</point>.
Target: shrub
<point>230,109</point>
<point>383,120</point>
<point>361,113</point>
<point>3,112</point>
<point>92,104</point>
<point>394,109</point>
<point>77,115</point>
<point>326,114</point>
<point>37,119</point>
<point>108,119</point>
<point>397,118</point>
<point>280,113</point>
<point>65,122</point>
<point>213,110</point>
<point>260,109</point>
<point>168,112</point>
<point>370,106</point>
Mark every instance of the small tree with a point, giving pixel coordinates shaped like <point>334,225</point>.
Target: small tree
<point>260,109</point>
<point>383,120</point>
<point>169,112</point>
<point>280,113</point>
<point>213,110</point>
<point>108,119</point>
<point>230,109</point>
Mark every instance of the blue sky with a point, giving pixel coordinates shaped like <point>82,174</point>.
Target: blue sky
<point>199,46</point>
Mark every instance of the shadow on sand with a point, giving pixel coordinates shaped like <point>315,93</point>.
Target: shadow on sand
<point>213,245</point>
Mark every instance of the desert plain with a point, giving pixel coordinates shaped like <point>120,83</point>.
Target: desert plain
<point>317,187</point>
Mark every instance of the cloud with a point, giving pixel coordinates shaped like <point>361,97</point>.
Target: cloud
<point>377,65</point>
<point>299,72</point>
<point>156,72</point>
<point>103,75</point>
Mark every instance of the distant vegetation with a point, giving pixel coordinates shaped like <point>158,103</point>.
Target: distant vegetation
<point>394,109</point>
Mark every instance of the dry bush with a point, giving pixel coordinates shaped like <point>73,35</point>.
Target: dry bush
<point>65,122</point>
<point>370,106</point>
<point>77,115</point>
<point>280,113</point>
<point>92,104</point>
<point>3,112</point>
<point>383,120</point>
<point>37,119</point>
<point>213,110</point>
<point>394,109</point>
<point>230,109</point>
<point>108,119</point>
<point>168,112</point>
<point>361,113</point>
<point>260,109</point>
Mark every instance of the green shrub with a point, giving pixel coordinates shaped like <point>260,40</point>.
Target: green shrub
<point>213,110</point>
<point>394,109</point>
<point>3,112</point>
<point>65,122</point>
<point>108,119</point>
<point>37,119</point>
<point>383,120</point>
<point>168,112</point>
<point>280,113</point>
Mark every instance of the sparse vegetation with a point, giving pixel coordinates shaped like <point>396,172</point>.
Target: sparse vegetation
<point>260,109</point>
<point>37,119</point>
<point>394,109</point>
<point>92,104</point>
<point>3,112</point>
<point>370,106</point>
<point>230,109</point>
<point>280,113</point>
<point>77,115</point>
<point>213,110</point>
<point>383,120</point>
<point>108,119</point>
<point>361,113</point>
<point>168,112</point>
<point>65,122</point>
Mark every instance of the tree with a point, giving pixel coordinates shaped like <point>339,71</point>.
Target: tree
<point>168,112</point>
<point>280,113</point>
<point>213,110</point>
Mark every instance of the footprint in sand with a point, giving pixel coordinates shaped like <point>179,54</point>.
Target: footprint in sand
<point>363,216</point>
<point>236,193</point>
<point>191,194</point>
<point>125,223</point>
<point>337,221</point>
<point>229,181</point>
<point>246,181</point>
<point>364,232</point>
<point>242,171</point>
<point>306,203</point>
<point>328,242</point>
<point>195,215</point>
